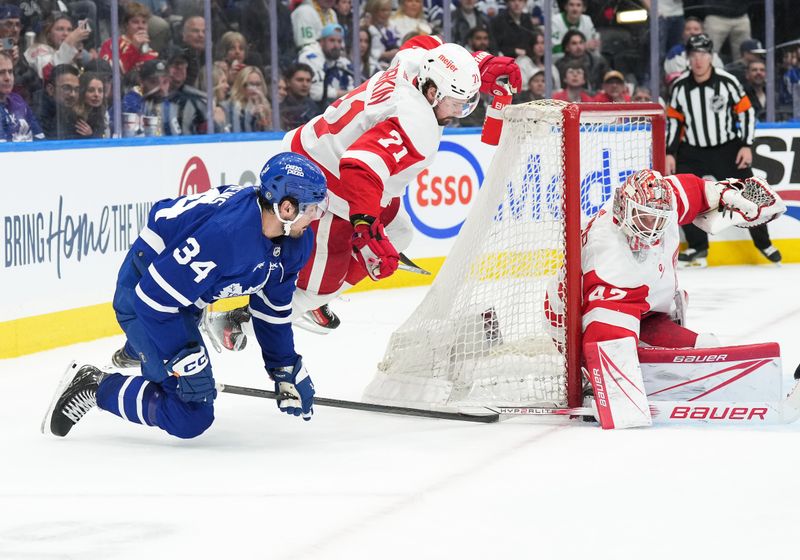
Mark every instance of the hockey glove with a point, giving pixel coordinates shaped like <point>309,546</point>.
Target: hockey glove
<point>193,369</point>
<point>373,249</point>
<point>748,202</point>
<point>294,388</point>
<point>494,69</point>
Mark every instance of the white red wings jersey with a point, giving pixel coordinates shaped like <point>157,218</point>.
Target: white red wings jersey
<point>373,141</point>
<point>619,288</point>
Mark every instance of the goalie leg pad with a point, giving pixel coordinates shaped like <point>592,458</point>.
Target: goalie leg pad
<point>613,369</point>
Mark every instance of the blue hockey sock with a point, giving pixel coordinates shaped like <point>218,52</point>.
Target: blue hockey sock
<point>130,397</point>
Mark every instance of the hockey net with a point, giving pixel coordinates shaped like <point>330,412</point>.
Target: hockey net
<point>480,336</point>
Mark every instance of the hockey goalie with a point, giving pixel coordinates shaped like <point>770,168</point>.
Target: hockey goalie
<point>630,288</point>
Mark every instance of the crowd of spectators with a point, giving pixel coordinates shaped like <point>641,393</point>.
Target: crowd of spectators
<point>60,54</point>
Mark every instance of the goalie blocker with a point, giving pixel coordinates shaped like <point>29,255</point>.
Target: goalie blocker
<point>724,384</point>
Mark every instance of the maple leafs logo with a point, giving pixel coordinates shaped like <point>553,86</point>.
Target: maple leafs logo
<point>234,289</point>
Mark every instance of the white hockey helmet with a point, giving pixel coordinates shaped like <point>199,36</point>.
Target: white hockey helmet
<point>643,208</point>
<point>455,73</point>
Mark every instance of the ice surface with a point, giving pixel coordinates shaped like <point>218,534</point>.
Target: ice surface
<point>262,485</point>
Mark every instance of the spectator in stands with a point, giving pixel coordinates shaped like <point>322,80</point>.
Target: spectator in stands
<point>573,18</point>
<point>533,61</point>
<point>332,71</point>
<point>512,29</point>
<point>676,61</point>
<point>219,77</point>
<point>134,43</point>
<point>467,17</point>
<point>248,108</point>
<point>614,89</point>
<point>58,43</point>
<point>478,39</point>
<point>671,21</point>
<point>642,94</point>
<point>536,88</point>
<point>93,120</point>
<point>727,19</point>
<point>187,105</point>
<point>57,109</point>
<point>594,65</point>
<point>749,51</point>
<point>148,96</point>
<point>255,25</point>
<point>309,18</point>
<point>26,81</point>
<point>755,87</point>
<point>368,65</point>
<point>410,19</point>
<point>344,17</point>
<point>384,37</point>
<point>17,121</point>
<point>232,49</point>
<point>574,81</point>
<point>298,108</point>
<point>158,26</point>
<point>193,47</point>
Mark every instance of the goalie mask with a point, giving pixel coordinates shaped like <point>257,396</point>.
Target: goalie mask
<point>456,76</point>
<point>643,208</point>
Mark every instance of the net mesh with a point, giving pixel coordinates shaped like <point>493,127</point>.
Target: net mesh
<point>480,336</point>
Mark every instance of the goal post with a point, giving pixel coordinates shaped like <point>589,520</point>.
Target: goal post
<point>501,323</point>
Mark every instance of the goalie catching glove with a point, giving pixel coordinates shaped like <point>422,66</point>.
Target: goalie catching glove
<point>295,389</point>
<point>373,248</point>
<point>739,202</point>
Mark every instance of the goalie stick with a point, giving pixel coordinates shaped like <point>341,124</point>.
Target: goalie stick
<point>485,416</point>
<point>410,266</point>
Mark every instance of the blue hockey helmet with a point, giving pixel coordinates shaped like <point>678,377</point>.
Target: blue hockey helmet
<point>294,176</point>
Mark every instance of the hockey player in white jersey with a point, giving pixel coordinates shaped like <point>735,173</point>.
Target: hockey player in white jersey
<point>370,144</point>
<point>628,259</point>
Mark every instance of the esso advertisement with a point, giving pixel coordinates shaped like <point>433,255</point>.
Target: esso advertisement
<point>439,198</point>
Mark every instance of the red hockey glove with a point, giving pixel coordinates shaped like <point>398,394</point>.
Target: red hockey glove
<point>493,69</point>
<point>373,249</point>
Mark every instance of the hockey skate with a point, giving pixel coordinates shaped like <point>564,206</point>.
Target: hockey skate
<point>122,359</point>
<point>320,320</point>
<point>692,258</point>
<point>76,395</point>
<point>772,254</point>
<point>224,328</point>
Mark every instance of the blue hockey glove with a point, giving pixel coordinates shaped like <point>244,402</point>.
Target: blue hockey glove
<point>295,389</point>
<point>193,369</point>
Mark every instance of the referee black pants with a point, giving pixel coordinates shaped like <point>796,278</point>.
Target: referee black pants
<point>718,162</point>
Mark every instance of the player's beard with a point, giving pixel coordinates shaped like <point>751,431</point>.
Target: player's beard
<point>445,122</point>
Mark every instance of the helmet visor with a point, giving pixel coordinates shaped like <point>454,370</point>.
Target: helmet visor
<point>460,108</point>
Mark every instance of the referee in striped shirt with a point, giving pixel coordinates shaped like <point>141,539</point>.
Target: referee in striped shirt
<point>710,129</point>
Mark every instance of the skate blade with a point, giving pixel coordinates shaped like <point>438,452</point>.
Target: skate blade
<point>310,325</point>
<point>67,378</point>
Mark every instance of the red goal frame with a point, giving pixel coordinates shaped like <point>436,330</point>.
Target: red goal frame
<point>572,114</point>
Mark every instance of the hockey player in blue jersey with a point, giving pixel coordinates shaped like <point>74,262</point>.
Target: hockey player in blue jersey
<point>229,241</point>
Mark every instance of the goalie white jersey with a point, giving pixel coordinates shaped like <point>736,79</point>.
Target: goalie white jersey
<point>373,141</point>
<point>621,287</point>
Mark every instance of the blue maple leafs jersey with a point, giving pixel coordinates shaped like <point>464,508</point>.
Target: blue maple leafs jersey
<point>204,247</point>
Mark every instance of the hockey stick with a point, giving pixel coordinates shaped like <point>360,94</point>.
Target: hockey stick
<point>485,418</point>
<point>410,266</point>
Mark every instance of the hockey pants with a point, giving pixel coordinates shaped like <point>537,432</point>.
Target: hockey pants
<point>149,399</point>
<point>332,267</point>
